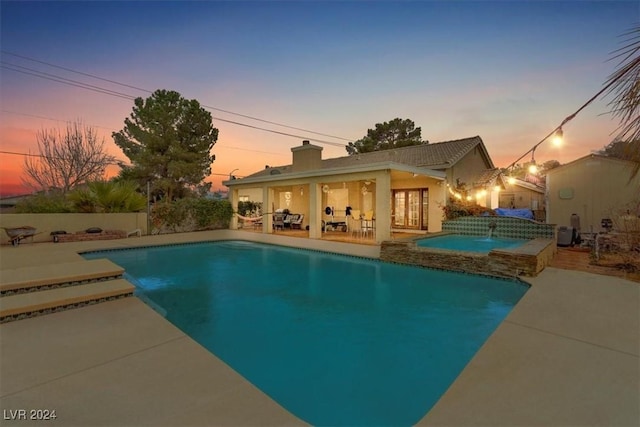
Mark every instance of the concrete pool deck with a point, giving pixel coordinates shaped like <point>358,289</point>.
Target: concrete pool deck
<point>568,354</point>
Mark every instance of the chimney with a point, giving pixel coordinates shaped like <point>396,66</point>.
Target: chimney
<point>306,157</point>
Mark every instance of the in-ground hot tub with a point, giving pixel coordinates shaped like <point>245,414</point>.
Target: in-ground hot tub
<point>480,244</point>
<point>501,257</point>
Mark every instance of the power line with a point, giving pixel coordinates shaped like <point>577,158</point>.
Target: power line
<point>117,163</point>
<point>62,80</point>
<point>52,119</point>
<point>115,130</point>
<point>149,91</point>
<point>98,89</point>
<point>72,71</point>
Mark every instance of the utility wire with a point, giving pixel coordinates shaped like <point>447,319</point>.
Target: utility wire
<point>115,130</point>
<point>64,81</point>
<point>117,163</point>
<point>98,89</point>
<point>149,91</point>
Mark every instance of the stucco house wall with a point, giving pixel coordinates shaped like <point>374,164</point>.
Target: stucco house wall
<point>467,168</point>
<point>253,194</point>
<point>593,187</point>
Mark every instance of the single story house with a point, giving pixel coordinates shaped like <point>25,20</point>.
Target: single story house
<point>406,187</point>
<point>593,187</point>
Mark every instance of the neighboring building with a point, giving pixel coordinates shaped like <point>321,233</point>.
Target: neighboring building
<point>524,194</point>
<point>405,187</point>
<point>593,187</point>
<point>8,204</point>
<point>217,195</point>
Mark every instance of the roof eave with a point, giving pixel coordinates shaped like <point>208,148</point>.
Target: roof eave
<point>370,167</point>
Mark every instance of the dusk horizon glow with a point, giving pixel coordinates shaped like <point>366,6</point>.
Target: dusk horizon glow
<point>509,72</point>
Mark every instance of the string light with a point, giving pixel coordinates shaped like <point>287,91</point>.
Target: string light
<point>557,138</point>
<point>557,133</point>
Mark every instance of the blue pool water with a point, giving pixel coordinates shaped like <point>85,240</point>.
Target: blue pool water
<point>336,340</point>
<point>459,242</point>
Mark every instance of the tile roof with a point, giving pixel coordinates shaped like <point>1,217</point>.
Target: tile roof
<point>438,155</point>
<point>487,177</point>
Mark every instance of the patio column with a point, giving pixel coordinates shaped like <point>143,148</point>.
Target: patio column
<point>233,199</point>
<point>267,203</point>
<point>383,206</point>
<point>315,216</point>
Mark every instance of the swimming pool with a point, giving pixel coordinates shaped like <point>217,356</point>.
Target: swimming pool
<point>336,340</point>
<point>458,242</point>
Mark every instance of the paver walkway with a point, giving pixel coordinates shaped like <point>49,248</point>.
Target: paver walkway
<point>580,260</point>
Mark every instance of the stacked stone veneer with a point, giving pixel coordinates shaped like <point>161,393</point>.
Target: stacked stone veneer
<point>527,260</point>
<point>515,228</point>
<point>81,236</point>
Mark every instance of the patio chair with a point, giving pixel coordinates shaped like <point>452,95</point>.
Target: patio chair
<point>368,223</point>
<point>278,221</point>
<point>296,223</point>
<point>257,224</point>
<point>354,223</point>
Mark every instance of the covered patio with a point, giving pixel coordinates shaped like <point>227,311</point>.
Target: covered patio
<point>361,203</point>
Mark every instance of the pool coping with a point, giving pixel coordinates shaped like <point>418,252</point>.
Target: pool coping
<point>566,354</point>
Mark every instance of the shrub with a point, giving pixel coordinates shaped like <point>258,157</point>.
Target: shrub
<point>456,210</point>
<point>45,203</point>
<point>248,208</point>
<point>109,197</point>
<point>191,214</point>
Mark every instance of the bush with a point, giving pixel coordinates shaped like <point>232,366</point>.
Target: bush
<point>191,215</point>
<point>45,203</point>
<point>96,196</point>
<point>109,197</point>
<point>456,210</point>
<point>249,208</point>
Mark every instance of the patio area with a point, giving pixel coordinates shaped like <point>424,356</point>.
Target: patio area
<point>568,354</point>
<point>332,235</point>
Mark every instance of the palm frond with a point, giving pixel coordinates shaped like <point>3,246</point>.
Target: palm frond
<point>624,85</point>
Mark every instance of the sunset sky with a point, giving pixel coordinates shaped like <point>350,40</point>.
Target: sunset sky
<point>509,71</point>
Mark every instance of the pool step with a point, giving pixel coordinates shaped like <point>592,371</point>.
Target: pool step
<point>29,304</point>
<point>30,279</point>
<point>33,291</point>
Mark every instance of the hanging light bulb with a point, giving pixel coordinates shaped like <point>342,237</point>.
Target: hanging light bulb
<point>511,180</point>
<point>533,169</point>
<point>557,137</point>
